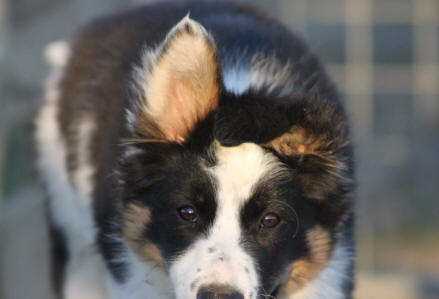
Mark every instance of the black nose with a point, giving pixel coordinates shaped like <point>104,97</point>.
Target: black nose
<point>218,292</point>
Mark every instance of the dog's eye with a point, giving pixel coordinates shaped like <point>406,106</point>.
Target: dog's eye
<point>188,213</point>
<point>270,220</point>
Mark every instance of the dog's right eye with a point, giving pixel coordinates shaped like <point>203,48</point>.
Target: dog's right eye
<point>188,213</point>
<point>270,220</point>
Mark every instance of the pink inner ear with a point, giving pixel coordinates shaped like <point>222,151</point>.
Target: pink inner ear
<point>183,86</point>
<point>174,138</point>
<point>178,118</point>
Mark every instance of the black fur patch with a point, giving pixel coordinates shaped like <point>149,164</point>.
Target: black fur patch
<point>165,178</point>
<point>285,199</point>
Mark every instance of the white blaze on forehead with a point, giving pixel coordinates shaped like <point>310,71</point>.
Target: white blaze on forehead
<point>239,169</point>
<point>218,257</point>
<point>237,173</point>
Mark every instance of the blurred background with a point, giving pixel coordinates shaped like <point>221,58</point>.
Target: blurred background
<point>384,56</point>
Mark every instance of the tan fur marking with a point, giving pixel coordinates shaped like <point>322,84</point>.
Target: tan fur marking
<point>296,142</point>
<point>136,218</point>
<point>183,86</point>
<point>306,269</point>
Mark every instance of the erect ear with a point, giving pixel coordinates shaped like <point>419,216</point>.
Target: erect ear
<point>182,85</point>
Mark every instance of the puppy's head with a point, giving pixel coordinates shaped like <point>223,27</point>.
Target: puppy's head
<point>236,196</point>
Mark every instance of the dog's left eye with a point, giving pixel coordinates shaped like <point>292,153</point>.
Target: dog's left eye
<point>270,220</point>
<point>188,213</point>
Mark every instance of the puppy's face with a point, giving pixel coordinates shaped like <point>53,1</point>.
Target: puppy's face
<point>225,213</point>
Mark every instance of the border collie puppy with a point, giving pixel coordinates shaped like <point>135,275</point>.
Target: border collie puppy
<point>195,151</point>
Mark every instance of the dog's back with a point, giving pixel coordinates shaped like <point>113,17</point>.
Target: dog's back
<point>271,89</point>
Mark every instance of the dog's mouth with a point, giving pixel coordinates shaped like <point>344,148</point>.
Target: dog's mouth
<point>264,293</point>
<point>225,291</point>
<point>219,291</point>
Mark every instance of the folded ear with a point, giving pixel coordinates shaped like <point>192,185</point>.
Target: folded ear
<point>182,85</point>
<point>297,142</point>
<point>318,145</point>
